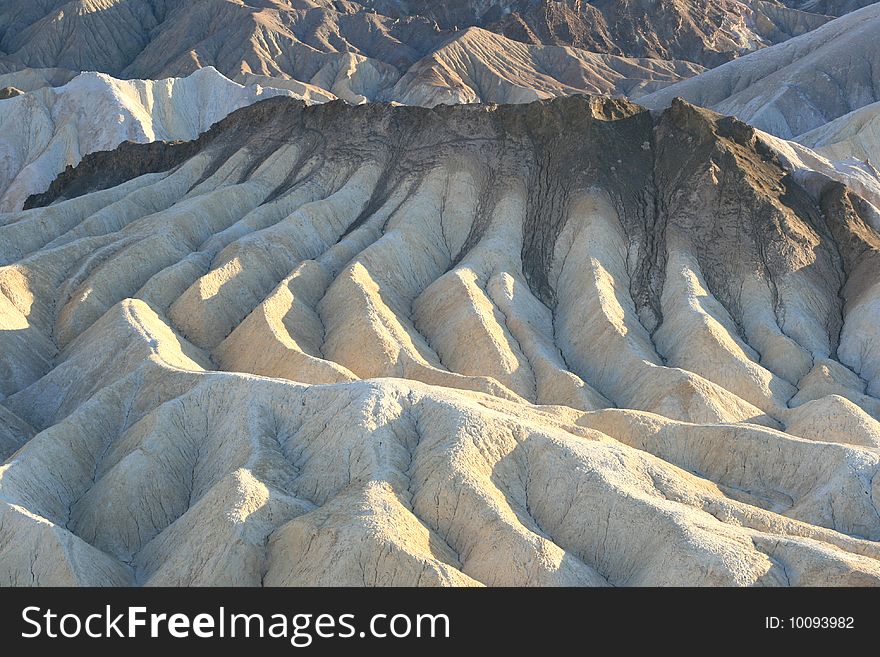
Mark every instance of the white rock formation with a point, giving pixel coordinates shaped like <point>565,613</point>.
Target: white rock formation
<point>54,127</point>
<point>853,135</point>
<point>31,79</point>
<point>812,169</point>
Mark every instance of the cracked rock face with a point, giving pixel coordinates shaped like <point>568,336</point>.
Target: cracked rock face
<point>566,343</point>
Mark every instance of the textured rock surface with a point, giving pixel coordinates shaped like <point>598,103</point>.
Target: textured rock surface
<point>797,86</point>
<point>706,32</point>
<point>571,342</point>
<point>54,127</point>
<point>478,66</point>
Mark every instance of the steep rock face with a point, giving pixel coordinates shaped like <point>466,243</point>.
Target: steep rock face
<point>51,128</point>
<point>571,342</point>
<point>64,33</point>
<point>166,38</point>
<point>797,86</point>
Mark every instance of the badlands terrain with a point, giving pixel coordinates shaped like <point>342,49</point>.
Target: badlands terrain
<point>200,60</point>
<point>388,292</point>
<point>372,44</point>
<point>298,38</point>
<point>569,342</point>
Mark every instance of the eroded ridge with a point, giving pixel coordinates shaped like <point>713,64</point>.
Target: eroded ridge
<point>570,342</point>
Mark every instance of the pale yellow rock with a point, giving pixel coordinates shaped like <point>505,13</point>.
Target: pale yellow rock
<point>59,558</point>
<point>834,419</point>
<point>829,377</point>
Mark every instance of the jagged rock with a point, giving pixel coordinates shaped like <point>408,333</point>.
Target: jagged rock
<point>466,70</point>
